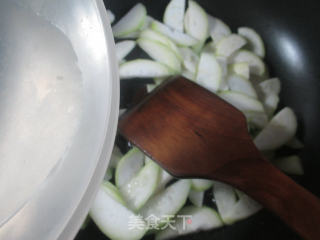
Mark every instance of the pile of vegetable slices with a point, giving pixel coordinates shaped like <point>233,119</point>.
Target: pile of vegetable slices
<point>201,47</point>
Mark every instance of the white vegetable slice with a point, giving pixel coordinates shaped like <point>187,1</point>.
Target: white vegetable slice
<point>178,37</point>
<point>270,86</point>
<point>133,35</point>
<point>167,202</point>
<point>144,68</point>
<point>129,166</point>
<point>218,29</point>
<point>158,81</point>
<point>279,130</point>
<point>196,198</point>
<point>209,73</point>
<point>255,42</point>
<point>295,143</point>
<point>189,75</point>
<point>140,188</point>
<point>244,208</point>
<point>151,87</point>
<point>201,184</point>
<point>228,45</point>
<point>165,178</point>
<point>174,14</point>
<point>115,157</point>
<point>242,102</point>
<point>290,165</point>
<point>268,91</point>
<point>190,59</point>
<point>113,218</point>
<point>160,53</point>
<point>239,84</point>
<point>225,198</point>
<point>256,65</point>
<point>196,21</point>
<point>158,37</point>
<point>147,23</point>
<point>113,192</point>
<point>111,16</point>
<point>271,103</point>
<point>131,22</point>
<point>123,48</point>
<point>241,69</point>
<point>190,220</point>
<point>223,62</point>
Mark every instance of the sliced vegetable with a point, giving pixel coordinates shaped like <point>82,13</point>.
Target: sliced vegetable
<point>270,86</point>
<point>225,199</point>
<point>255,42</point>
<point>217,29</point>
<point>268,92</point>
<point>167,202</point>
<point>113,218</point>
<point>174,14</point>
<point>147,23</point>
<point>160,53</point>
<point>115,157</point>
<point>165,178</point>
<point>190,59</point>
<point>223,62</point>
<point>189,75</point>
<point>256,65</point>
<point>228,45</point>
<point>140,188</point>
<point>151,87</point>
<point>196,198</point>
<point>241,68</point>
<point>158,37</point>
<point>144,68</point>
<point>196,21</point>
<point>192,219</point>
<point>290,165</point>
<point>111,16</point>
<point>178,37</point>
<point>129,166</point>
<point>271,103</point>
<point>242,102</point>
<point>131,22</point>
<point>123,48</point>
<point>279,130</point>
<point>113,192</point>
<point>239,84</point>
<point>245,207</point>
<point>209,73</point>
<point>201,184</point>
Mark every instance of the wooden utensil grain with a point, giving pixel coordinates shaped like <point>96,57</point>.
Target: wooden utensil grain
<point>191,132</point>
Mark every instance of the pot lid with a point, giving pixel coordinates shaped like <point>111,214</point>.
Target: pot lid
<point>59,98</point>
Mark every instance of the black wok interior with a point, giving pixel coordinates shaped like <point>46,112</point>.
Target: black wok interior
<point>291,31</point>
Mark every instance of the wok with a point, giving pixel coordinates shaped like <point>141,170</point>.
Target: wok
<point>291,33</point>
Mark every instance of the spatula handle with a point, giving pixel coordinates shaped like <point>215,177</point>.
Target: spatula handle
<point>277,192</point>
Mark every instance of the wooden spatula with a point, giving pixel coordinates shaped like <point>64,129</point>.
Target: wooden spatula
<point>191,132</point>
